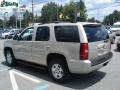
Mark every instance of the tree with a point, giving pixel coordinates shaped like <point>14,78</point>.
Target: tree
<point>93,20</point>
<point>11,22</point>
<point>70,10</point>
<point>49,12</point>
<point>112,18</point>
<point>27,19</point>
<point>54,12</point>
<point>82,8</point>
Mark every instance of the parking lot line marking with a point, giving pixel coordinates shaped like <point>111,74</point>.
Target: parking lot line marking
<point>25,76</point>
<point>44,86</point>
<point>13,81</point>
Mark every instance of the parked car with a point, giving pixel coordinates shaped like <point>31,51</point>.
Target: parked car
<point>1,31</point>
<point>11,35</point>
<point>112,36</point>
<point>62,47</point>
<point>116,28</point>
<point>118,44</point>
<point>7,33</point>
<point>107,27</point>
<point>118,33</point>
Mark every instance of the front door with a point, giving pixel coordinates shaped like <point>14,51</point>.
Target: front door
<point>24,45</point>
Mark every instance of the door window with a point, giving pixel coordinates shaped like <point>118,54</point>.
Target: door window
<point>42,34</point>
<point>27,34</point>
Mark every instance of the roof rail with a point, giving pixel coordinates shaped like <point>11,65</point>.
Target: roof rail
<point>59,22</point>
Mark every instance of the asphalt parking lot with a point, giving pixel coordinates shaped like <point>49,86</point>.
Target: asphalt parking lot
<point>27,78</point>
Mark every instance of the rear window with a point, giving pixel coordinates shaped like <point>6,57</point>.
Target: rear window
<point>95,33</point>
<point>67,34</point>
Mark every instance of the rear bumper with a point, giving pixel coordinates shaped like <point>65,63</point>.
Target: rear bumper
<point>84,67</point>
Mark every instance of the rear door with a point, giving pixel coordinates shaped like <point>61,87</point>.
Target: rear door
<point>67,41</point>
<point>41,45</point>
<point>99,43</point>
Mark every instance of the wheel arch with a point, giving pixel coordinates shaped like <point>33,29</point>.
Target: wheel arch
<point>56,55</point>
<point>7,48</point>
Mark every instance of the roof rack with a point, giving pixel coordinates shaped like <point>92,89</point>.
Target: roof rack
<point>59,22</point>
<point>51,22</point>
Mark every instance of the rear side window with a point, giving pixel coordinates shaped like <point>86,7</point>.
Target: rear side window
<point>42,34</point>
<point>67,34</point>
<point>95,33</point>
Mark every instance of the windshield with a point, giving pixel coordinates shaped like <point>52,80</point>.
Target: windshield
<point>6,31</point>
<point>116,26</point>
<point>12,31</point>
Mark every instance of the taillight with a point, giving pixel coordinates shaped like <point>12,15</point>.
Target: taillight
<point>84,51</point>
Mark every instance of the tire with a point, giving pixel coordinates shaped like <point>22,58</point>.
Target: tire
<point>58,70</point>
<point>6,37</point>
<point>10,59</point>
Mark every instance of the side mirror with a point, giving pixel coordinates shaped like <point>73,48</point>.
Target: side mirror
<point>15,37</point>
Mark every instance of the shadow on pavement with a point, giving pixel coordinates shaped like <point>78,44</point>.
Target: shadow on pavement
<point>84,81</point>
<point>76,81</point>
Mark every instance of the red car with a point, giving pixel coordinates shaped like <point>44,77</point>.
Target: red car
<point>118,44</point>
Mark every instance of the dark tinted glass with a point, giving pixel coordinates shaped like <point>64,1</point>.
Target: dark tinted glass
<point>95,33</point>
<point>67,34</point>
<point>42,34</point>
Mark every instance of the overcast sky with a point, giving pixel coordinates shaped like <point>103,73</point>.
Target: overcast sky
<point>95,8</point>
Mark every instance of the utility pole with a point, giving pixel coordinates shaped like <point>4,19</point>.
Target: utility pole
<point>32,11</point>
<point>20,24</point>
<point>57,13</point>
<point>113,20</point>
<point>75,17</point>
<point>16,21</point>
<point>5,19</point>
<point>16,16</point>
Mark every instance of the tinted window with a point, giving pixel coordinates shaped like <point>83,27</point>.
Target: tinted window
<point>67,33</point>
<point>95,33</point>
<point>42,34</point>
<point>27,34</point>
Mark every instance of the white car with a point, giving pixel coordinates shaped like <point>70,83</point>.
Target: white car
<point>112,36</point>
<point>116,28</point>
<point>63,48</point>
<point>7,33</point>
